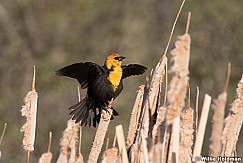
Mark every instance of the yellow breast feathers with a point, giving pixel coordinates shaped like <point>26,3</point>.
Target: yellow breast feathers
<point>115,77</point>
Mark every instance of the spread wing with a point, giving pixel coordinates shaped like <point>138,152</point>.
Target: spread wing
<point>132,69</point>
<point>83,72</point>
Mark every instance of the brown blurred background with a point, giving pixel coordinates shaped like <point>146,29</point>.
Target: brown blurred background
<point>52,34</point>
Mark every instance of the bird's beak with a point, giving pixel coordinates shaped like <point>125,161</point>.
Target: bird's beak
<point>122,57</point>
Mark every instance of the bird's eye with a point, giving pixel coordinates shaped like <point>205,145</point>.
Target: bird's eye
<point>118,58</point>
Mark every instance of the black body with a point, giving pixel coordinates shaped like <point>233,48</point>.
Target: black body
<point>99,89</point>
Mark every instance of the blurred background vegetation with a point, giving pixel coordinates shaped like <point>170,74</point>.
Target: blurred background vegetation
<point>52,34</point>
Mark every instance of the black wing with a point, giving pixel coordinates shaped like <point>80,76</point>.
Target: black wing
<point>83,72</point>
<point>132,69</point>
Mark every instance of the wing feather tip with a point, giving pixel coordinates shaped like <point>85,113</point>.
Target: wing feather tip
<point>58,72</point>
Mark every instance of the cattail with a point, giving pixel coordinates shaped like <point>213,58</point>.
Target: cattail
<point>159,126</point>
<point>100,134</point>
<point>68,143</point>
<point>217,124</point>
<point>111,155</point>
<point>218,120</point>
<point>186,135</point>
<point>29,110</point>
<point>153,91</point>
<point>148,109</point>
<point>135,115</point>
<point>178,85</point>
<point>46,157</point>
<point>79,158</point>
<point>233,123</point>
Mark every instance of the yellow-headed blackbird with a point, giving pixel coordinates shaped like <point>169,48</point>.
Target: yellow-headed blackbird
<point>102,82</point>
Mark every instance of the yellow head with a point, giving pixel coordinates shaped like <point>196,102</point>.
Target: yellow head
<point>114,60</point>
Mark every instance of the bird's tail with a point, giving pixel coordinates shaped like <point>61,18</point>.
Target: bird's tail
<point>87,112</point>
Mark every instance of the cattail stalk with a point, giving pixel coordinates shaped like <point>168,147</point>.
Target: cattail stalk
<point>202,126</point>
<point>121,143</point>
<point>196,111</point>
<point>176,139</point>
<point>46,157</point>
<point>233,123</point>
<point>1,139</point>
<point>29,110</point>
<point>100,134</point>
<point>79,158</point>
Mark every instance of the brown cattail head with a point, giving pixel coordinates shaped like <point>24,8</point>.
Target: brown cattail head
<point>68,142</point>
<point>45,158</point>
<point>29,110</point>
<point>178,85</point>
<point>186,135</point>
<point>217,124</point>
<point>233,123</point>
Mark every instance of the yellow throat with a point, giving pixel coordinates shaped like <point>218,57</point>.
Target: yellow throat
<point>115,77</point>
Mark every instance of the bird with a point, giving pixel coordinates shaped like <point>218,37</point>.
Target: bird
<point>103,83</point>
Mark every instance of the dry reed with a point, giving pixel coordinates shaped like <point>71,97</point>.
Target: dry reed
<point>79,158</point>
<point>100,134</point>
<point>202,125</point>
<point>68,143</point>
<point>178,85</point>
<point>159,126</point>
<point>196,111</point>
<point>111,155</point>
<point>150,100</point>
<point>2,135</point>
<point>152,94</point>
<point>29,110</point>
<point>218,120</point>
<point>138,152</point>
<point>217,124</point>
<point>186,135</point>
<point>121,143</point>
<point>46,157</point>
<point>176,93</point>
<point>135,115</point>
<point>233,123</point>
